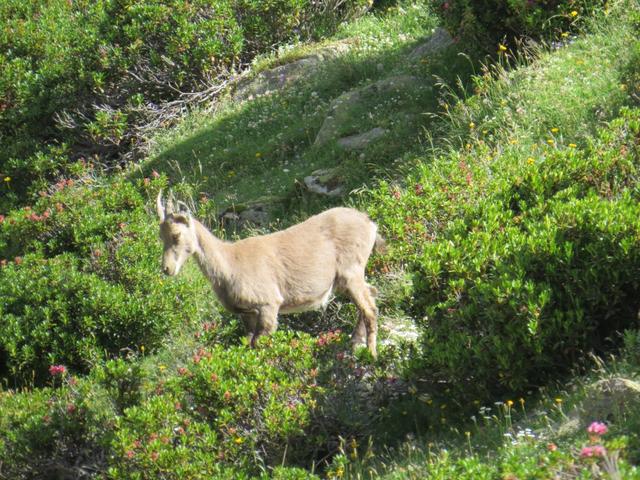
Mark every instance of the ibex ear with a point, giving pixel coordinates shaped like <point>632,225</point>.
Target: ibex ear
<point>182,214</point>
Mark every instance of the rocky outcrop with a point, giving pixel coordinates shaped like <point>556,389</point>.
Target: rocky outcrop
<point>362,140</point>
<point>344,108</point>
<point>256,213</point>
<point>274,79</point>
<point>434,44</point>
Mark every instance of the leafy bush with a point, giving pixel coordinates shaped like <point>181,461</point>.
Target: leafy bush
<point>223,412</point>
<point>485,24</point>
<point>522,263</point>
<point>80,280</point>
<point>59,431</point>
<point>78,78</point>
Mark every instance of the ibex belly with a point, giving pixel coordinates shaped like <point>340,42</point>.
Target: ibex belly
<point>309,303</point>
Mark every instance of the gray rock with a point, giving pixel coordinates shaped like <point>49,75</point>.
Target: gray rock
<point>608,399</point>
<point>325,181</point>
<point>435,43</point>
<point>343,109</point>
<point>272,80</point>
<point>362,140</point>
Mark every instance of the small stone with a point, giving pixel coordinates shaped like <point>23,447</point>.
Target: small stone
<point>325,181</point>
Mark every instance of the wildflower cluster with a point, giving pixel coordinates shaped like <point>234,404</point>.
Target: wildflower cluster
<point>595,449</point>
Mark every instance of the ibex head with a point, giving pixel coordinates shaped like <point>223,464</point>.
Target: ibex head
<point>177,232</point>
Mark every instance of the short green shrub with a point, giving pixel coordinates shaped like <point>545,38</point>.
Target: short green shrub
<point>522,263</point>
<point>487,23</point>
<point>231,412</point>
<point>55,431</point>
<point>80,280</point>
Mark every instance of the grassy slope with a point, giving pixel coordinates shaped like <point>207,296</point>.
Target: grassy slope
<point>260,148</point>
<point>558,100</point>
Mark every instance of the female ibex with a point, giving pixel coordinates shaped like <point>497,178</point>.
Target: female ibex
<point>293,270</point>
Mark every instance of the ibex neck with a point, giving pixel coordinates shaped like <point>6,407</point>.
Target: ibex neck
<point>211,254</point>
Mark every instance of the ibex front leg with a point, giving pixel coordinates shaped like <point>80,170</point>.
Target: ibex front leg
<point>250,321</point>
<point>267,322</point>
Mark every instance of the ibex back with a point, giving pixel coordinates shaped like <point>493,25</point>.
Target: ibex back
<point>292,270</point>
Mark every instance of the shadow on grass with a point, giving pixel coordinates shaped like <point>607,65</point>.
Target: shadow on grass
<point>263,148</point>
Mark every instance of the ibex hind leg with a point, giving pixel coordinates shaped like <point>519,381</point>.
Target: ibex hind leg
<point>360,293</point>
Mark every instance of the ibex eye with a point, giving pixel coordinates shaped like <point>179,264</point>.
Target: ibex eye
<point>176,238</point>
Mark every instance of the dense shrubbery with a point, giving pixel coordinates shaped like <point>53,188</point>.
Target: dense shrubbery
<point>80,279</point>
<point>220,414</point>
<point>76,78</point>
<point>529,261</point>
<point>485,24</point>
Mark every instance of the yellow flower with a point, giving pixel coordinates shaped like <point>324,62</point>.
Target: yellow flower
<point>572,145</point>
<point>623,87</point>
<point>472,125</point>
<point>558,400</point>
<point>564,34</point>
<point>550,141</point>
<point>468,434</point>
<point>7,179</point>
<point>554,130</point>
<point>501,48</point>
<point>162,368</point>
<point>340,472</point>
<point>509,403</point>
<point>530,160</point>
<point>258,154</point>
<point>521,402</point>
<point>574,13</point>
<point>238,440</point>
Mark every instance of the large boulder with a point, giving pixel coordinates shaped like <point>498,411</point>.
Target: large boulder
<point>608,399</point>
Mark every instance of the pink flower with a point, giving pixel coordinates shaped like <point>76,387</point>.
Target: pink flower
<point>55,370</point>
<point>586,452</point>
<point>595,451</point>
<point>597,428</point>
<point>71,408</point>
<point>599,451</point>
<point>155,174</point>
<point>130,454</point>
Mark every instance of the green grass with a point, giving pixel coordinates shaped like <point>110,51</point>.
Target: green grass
<point>540,436</point>
<point>263,148</point>
<point>526,107</point>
